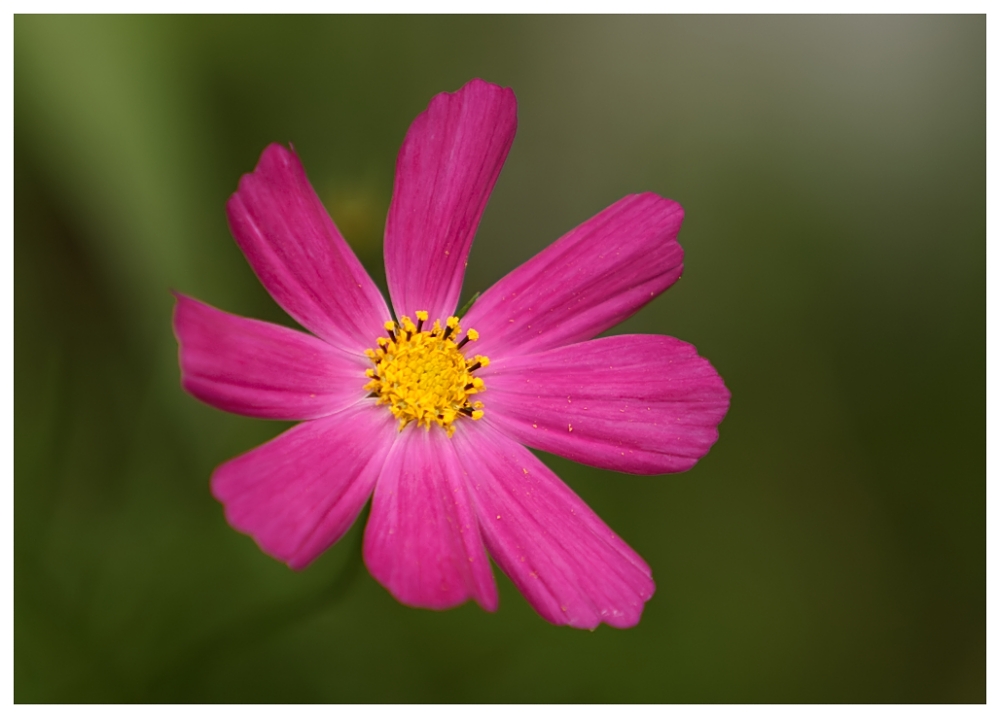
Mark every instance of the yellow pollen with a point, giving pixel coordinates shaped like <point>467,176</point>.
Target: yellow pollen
<point>423,376</point>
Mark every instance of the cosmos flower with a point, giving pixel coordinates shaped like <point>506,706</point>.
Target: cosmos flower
<point>429,414</point>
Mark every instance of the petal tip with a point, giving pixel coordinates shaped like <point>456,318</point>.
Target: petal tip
<point>478,84</point>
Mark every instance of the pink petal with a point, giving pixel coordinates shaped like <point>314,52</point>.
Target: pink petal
<point>446,169</point>
<point>570,566</point>
<point>641,404</point>
<point>259,369</point>
<point>422,540</point>
<point>299,493</point>
<point>589,280</point>
<point>299,255</point>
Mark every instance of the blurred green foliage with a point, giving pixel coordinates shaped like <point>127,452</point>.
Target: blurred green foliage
<point>831,547</point>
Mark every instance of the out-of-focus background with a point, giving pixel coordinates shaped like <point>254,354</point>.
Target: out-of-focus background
<point>830,547</point>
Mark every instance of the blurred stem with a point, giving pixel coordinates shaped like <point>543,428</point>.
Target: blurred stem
<point>468,305</point>
<point>180,680</point>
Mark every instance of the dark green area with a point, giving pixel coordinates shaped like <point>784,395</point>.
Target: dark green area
<point>831,547</point>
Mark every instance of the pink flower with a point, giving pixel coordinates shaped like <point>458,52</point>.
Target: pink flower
<point>430,416</point>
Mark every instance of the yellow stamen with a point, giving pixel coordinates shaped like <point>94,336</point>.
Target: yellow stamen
<point>423,375</point>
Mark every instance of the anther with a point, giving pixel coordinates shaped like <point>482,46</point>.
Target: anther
<point>452,326</point>
<point>480,362</point>
<point>470,336</point>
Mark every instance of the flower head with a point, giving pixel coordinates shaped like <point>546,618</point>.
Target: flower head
<point>429,414</point>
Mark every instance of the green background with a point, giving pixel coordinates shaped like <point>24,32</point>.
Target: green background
<point>830,547</point>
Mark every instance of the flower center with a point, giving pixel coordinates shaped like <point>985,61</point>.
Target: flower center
<point>422,374</point>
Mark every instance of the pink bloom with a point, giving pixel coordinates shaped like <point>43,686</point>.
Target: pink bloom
<point>430,416</point>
